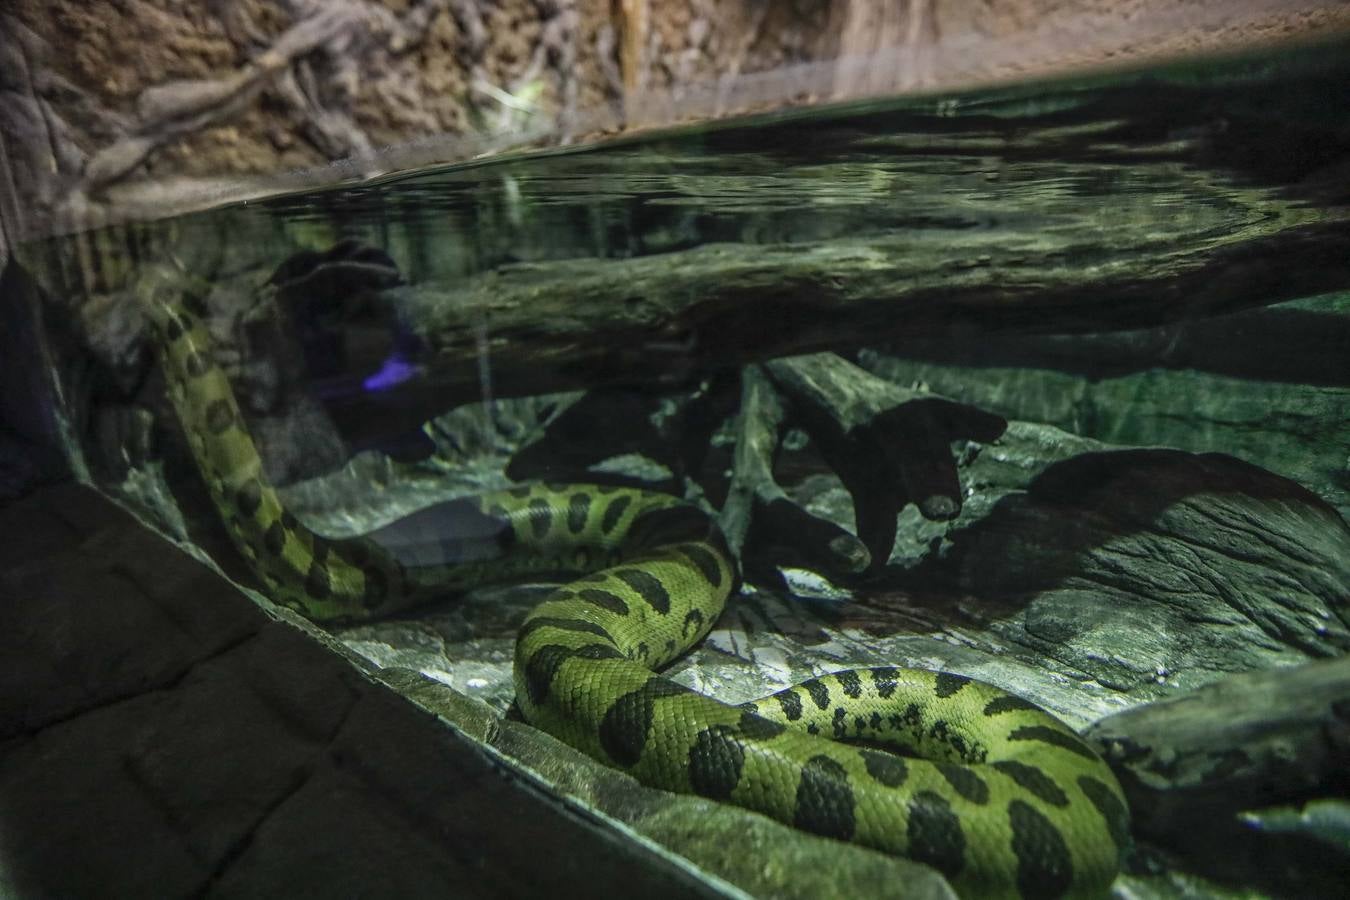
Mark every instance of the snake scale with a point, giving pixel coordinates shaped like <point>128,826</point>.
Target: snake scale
<point>991,790</point>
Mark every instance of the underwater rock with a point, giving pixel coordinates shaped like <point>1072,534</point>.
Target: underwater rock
<point>493,428</point>
<point>1149,570</point>
<point>295,436</point>
<point>889,445</point>
<point>1191,765</point>
<point>1245,741</point>
<point>298,441</point>
<point>113,327</point>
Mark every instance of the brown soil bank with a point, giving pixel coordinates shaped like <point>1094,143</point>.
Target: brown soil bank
<point>148,107</point>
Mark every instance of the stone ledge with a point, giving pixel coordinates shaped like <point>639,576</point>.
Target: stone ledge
<point>160,735</point>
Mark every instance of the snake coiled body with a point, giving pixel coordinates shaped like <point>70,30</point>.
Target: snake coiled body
<point>993,791</point>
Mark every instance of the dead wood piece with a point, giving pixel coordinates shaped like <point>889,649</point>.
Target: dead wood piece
<point>764,527</point>
<point>757,438</point>
<point>600,436</point>
<point>890,446</point>
<point>192,97</point>
<point>717,305</point>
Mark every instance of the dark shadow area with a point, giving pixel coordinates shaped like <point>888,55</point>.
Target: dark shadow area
<point>31,450</point>
<point>1145,541</point>
<point>1242,345</point>
<point>1032,541</point>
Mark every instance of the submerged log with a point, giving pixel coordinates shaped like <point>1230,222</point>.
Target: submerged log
<point>562,324</point>
<point>763,525</point>
<point>890,446</point>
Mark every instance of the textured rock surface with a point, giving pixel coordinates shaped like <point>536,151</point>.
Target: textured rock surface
<point>1150,568</point>
<point>161,736</point>
<point>1200,769</point>
<point>1236,744</point>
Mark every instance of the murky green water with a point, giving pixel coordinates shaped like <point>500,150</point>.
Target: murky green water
<point>1072,361</point>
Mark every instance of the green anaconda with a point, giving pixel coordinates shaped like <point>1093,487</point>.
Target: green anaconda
<point>996,793</point>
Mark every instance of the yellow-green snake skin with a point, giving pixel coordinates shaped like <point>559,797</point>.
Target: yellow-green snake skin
<point>1005,800</point>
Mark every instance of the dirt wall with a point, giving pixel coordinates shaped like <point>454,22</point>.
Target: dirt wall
<point>141,108</point>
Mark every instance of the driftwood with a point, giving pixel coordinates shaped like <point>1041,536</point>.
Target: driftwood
<point>758,432</point>
<point>170,110</point>
<point>890,446</point>
<point>566,324</point>
<point>763,525</point>
<point>600,425</point>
